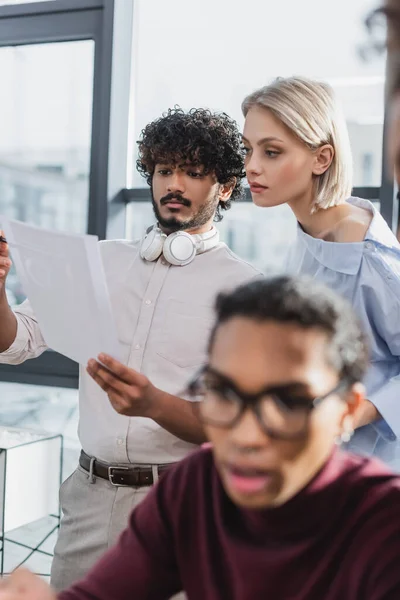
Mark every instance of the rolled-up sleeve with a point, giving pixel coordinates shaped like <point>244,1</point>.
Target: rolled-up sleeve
<point>387,401</point>
<point>382,301</point>
<point>29,342</point>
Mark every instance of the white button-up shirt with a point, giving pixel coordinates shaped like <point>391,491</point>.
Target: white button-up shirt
<point>163,314</point>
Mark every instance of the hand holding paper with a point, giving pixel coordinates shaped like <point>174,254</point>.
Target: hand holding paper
<point>130,393</point>
<point>63,277</point>
<point>5,262</point>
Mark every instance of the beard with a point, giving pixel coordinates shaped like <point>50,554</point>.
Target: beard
<point>205,213</point>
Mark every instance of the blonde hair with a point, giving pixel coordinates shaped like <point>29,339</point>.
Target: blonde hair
<point>309,109</point>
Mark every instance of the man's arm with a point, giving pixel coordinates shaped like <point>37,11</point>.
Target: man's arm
<point>178,416</point>
<point>132,394</point>
<point>20,335</point>
<point>366,414</point>
<point>381,304</point>
<point>8,322</point>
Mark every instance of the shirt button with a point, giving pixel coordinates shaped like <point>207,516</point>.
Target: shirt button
<point>120,441</point>
<point>148,302</point>
<point>369,245</point>
<point>137,347</point>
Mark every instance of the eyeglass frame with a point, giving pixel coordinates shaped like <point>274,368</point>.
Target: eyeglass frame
<point>250,402</point>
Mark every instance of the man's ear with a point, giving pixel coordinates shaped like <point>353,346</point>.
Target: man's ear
<point>226,189</point>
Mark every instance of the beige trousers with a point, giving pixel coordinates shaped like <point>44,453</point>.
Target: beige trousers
<point>94,514</point>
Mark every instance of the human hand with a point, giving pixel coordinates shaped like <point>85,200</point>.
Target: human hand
<point>5,262</point>
<point>24,585</point>
<point>366,413</point>
<point>130,393</point>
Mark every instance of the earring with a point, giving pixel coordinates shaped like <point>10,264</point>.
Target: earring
<point>344,437</point>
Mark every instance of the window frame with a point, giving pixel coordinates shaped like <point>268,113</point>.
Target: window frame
<point>388,194</point>
<point>64,21</point>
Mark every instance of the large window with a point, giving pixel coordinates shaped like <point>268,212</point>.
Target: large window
<point>75,106</point>
<point>214,55</point>
<point>45,141</point>
<point>55,68</point>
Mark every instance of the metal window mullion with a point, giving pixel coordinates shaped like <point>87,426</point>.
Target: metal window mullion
<point>98,198</point>
<point>48,28</point>
<point>389,204</point>
<point>49,8</point>
<point>128,195</point>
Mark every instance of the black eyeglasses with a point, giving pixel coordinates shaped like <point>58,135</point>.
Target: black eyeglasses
<point>282,412</point>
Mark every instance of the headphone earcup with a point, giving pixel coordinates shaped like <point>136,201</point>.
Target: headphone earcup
<point>152,244</point>
<point>179,248</point>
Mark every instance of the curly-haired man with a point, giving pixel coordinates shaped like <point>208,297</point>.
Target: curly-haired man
<point>162,290</point>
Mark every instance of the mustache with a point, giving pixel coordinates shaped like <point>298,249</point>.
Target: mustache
<point>177,197</point>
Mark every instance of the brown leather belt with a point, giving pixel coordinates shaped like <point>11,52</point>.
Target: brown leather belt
<point>121,475</point>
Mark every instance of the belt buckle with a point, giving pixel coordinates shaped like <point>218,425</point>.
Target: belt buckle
<point>113,472</point>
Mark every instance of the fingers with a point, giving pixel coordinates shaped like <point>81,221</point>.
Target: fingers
<point>24,585</point>
<point>3,244</point>
<point>93,370</point>
<point>115,366</point>
<point>127,399</point>
<point>5,266</point>
<point>123,372</point>
<point>107,380</point>
<point>121,398</point>
<point>5,262</point>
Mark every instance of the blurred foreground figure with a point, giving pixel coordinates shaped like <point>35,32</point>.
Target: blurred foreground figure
<point>274,509</point>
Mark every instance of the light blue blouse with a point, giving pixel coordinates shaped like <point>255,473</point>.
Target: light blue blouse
<point>368,274</point>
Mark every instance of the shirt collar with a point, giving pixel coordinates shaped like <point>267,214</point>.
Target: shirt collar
<point>346,257</point>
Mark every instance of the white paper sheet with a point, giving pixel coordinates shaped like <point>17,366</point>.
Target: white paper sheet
<point>63,277</point>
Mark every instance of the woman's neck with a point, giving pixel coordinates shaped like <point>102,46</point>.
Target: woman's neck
<point>318,222</point>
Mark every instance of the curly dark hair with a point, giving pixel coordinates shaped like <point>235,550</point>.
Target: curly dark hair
<point>307,304</point>
<point>199,137</point>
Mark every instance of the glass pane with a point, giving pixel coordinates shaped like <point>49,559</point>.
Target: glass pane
<point>43,408</point>
<point>46,135</point>
<point>253,43</point>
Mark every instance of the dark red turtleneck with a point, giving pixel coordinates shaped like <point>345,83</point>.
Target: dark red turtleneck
<point>338,539</point>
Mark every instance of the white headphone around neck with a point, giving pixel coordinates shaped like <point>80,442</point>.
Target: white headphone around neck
<point>178,248</point>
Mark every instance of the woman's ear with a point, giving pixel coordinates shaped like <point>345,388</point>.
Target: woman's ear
<point>323,159</point>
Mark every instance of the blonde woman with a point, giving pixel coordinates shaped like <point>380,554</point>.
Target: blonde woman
<point>298,153</point>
